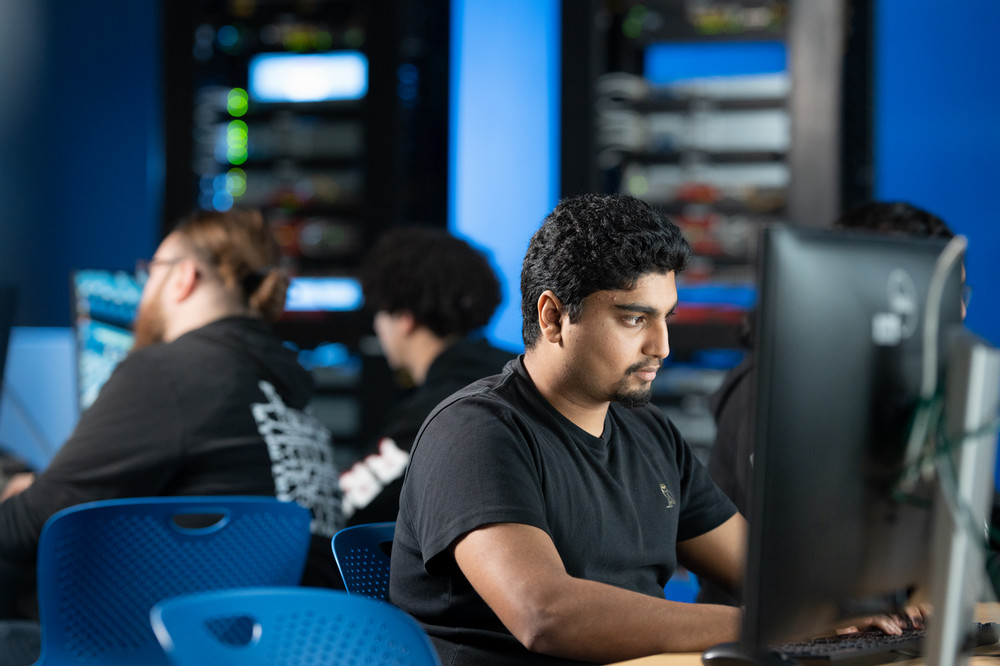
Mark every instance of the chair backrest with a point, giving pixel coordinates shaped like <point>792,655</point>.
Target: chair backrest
<point>288,627</point>
<point>102,566</point>
<point>362,555</point>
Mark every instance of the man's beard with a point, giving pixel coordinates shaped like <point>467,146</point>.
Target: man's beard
<point>630,397</point>
<point>150,325</point>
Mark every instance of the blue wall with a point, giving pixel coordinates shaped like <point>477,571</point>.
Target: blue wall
<point>80,185</point>
<point>504,135</point>
<point>80,144</point>
<point>937,135</point>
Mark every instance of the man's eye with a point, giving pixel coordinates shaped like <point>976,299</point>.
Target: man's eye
<point>633,321</point>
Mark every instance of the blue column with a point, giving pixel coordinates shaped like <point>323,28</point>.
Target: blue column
<point>937,139</point>
<point>504,135</point>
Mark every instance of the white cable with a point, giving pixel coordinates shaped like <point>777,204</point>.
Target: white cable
<point>920,428</point>
<point>950,256</point>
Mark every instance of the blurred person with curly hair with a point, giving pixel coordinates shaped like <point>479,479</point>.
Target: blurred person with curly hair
<point>430,293</point>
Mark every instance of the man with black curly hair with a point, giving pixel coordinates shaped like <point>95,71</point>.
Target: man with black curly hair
<point>545,508</point>
<point>430,292</point>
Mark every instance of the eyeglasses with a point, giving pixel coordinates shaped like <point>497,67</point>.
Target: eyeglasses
<point>143,266</point>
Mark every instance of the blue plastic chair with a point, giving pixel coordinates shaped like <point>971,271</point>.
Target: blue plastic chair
<point>102,566</point>
<point>362,553</point>
<point>288,627</point>
<point>682,586</point>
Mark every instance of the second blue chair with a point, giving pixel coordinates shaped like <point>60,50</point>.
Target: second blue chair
<point>362,554</point>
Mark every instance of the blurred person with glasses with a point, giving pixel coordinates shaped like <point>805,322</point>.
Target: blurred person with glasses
<point>208,402</point>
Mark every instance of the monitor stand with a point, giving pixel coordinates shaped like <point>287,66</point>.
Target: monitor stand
<point>963,495</point>
<point>737,654</point>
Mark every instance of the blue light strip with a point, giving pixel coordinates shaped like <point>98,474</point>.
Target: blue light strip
<point>503,135</point>
<point>667,63</point>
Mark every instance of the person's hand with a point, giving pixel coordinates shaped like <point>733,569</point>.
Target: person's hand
<point>912,618</point>
<point>17,484</point>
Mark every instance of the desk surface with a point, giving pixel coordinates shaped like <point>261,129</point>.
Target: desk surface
<point>984,613</point>
<point>694,659</point>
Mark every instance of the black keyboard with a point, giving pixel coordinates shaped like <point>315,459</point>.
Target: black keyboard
<point>856,647</point>
<point>866,647</point>
<point>853,647</point>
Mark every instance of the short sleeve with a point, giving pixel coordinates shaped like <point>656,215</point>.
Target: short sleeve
<point>472,465</point>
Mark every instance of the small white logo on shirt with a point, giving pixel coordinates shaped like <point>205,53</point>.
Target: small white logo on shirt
<point>671,502</point>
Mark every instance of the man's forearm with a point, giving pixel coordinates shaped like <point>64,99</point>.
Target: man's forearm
<point>598,622</point>
<point>517,571</point>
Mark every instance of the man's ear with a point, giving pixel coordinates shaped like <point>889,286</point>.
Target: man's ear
<point>405,321</point>
<point>183,280</point>
<point>550,312</point>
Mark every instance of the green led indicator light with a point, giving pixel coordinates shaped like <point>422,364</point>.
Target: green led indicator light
<point>638,185</point>
<point>236,142</point>
<point>236,182</point>
<point>236,155</point>
<point>237,102</point>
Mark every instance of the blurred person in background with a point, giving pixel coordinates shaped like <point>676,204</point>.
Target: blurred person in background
<point>430,292</point>
<point>208,402</point>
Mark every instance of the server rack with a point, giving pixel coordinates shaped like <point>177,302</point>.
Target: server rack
<point>756,141</point>
<point>331,170</point>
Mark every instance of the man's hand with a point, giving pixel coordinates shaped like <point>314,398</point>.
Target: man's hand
<point>17,484</point>
<point>912,618</point>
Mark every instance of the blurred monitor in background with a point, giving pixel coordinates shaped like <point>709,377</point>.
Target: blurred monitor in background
<point>104,307</point>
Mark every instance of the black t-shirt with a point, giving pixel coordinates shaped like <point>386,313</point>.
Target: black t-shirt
<point>219,411</point>
<point>615,506</point>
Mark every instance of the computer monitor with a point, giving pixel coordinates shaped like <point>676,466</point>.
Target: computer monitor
<point>851,341</point>
<point>105,303</point>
